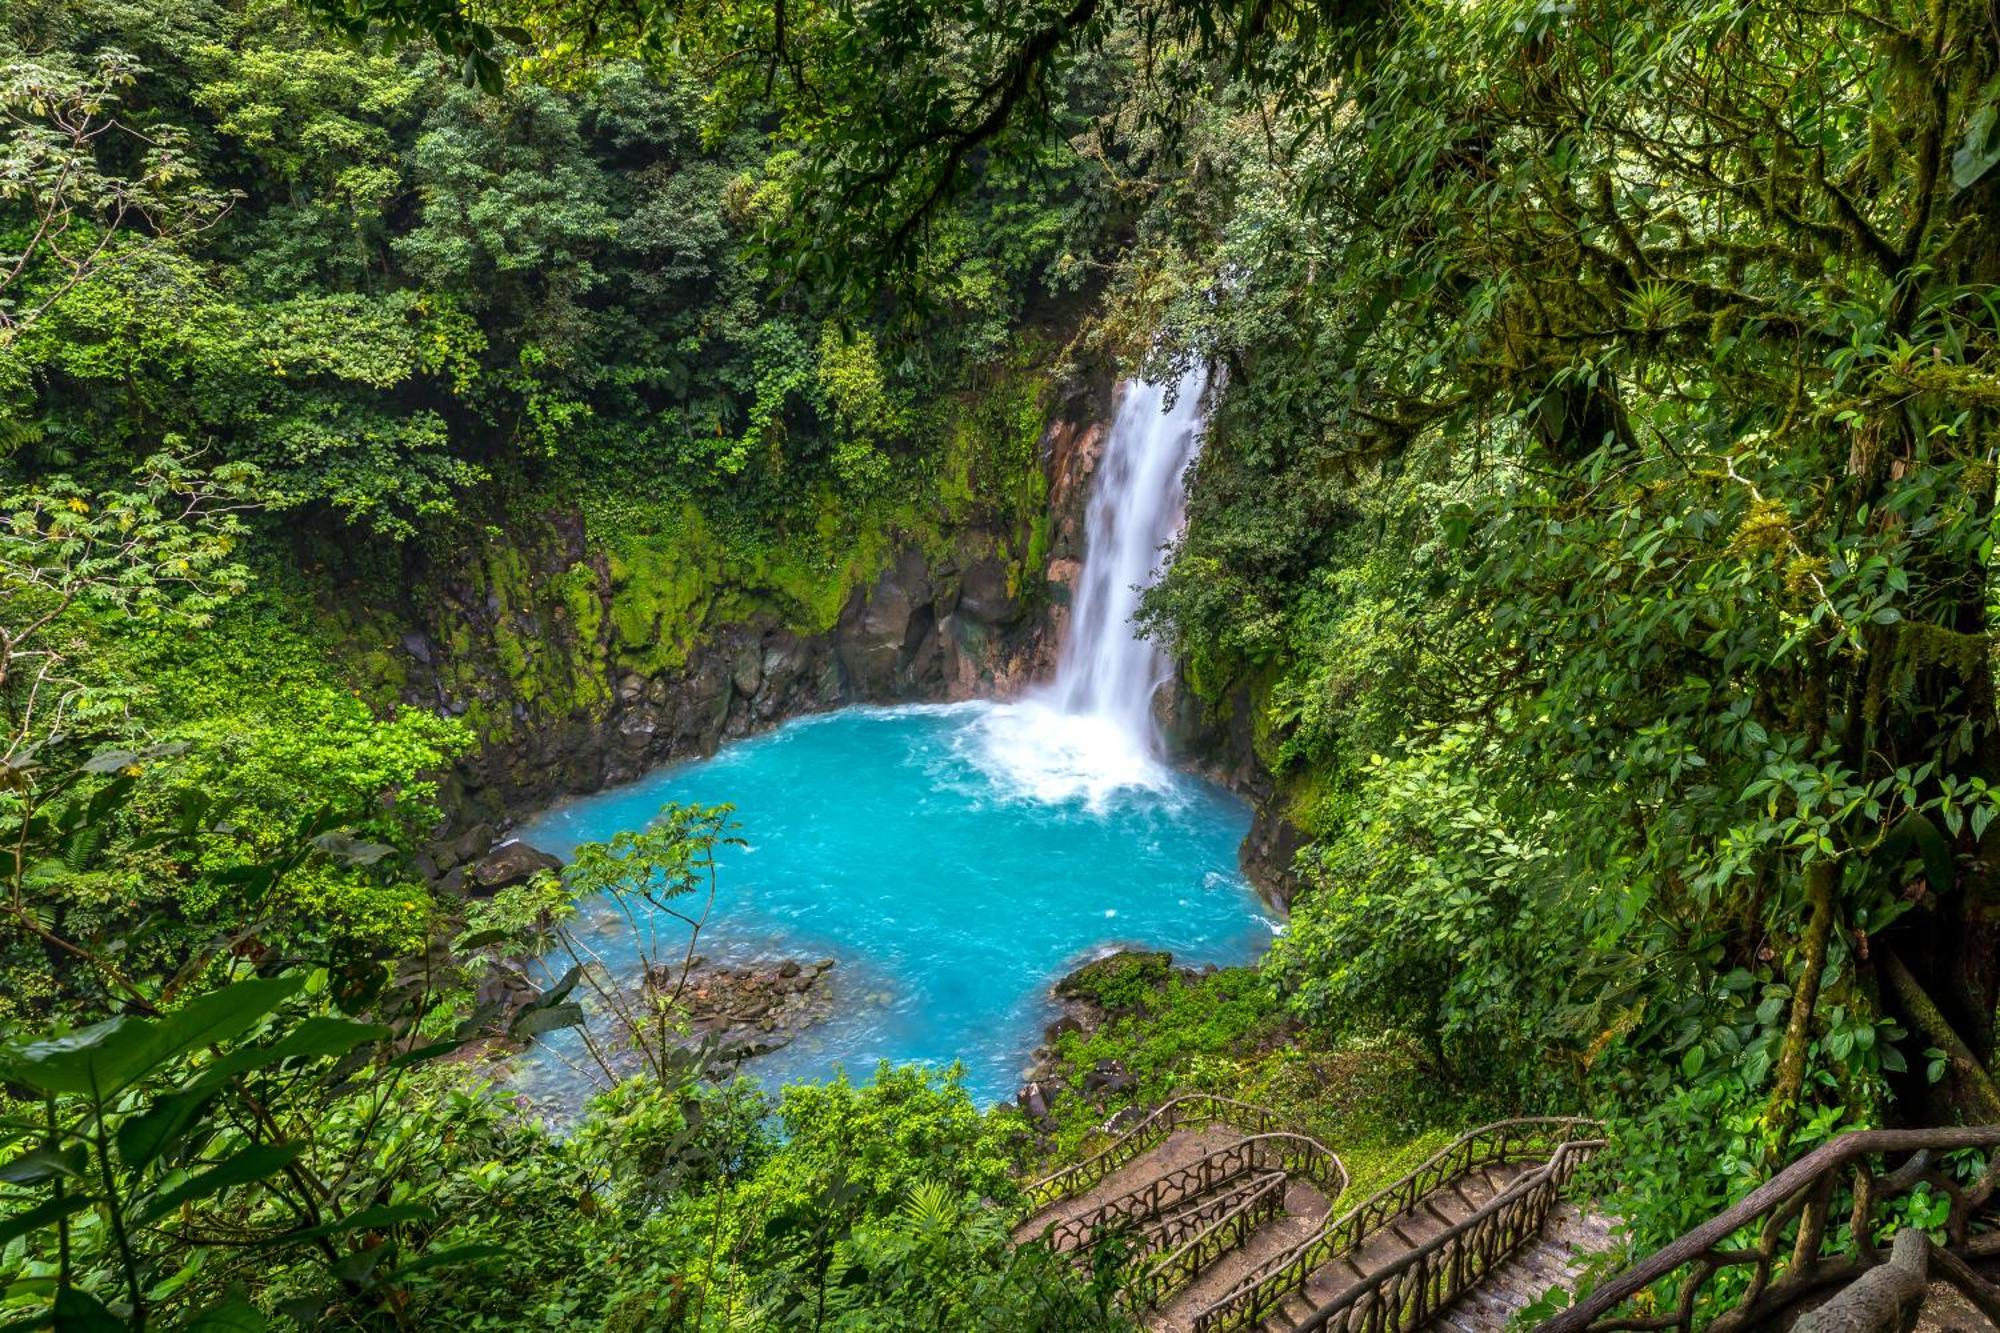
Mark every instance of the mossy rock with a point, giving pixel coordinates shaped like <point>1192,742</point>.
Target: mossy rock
<point>1119,981</point>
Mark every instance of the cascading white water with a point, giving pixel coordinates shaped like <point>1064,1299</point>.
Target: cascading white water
<point>1137,503</point>
<point>1090,733</point>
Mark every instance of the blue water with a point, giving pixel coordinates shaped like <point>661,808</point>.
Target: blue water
<point>954,860</point>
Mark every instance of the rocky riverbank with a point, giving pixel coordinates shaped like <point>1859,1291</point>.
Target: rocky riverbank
<point>582,661</point>
<point>1089,997</point>
<point>580,668</point>
<point>718,1014</point>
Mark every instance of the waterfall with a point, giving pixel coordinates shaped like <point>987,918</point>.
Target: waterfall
<point>1137,503</point>
<point>1090,734</point>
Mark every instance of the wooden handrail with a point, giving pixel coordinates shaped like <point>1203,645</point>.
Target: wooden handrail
<point>1158,1194</point>
<point>1418,1284</point>
<point>1272,1154</point>
<point>1165,1238</point>
<point>1175,1269</point>
<point>1187,1110</point>
<point>1267,1286</point>
<point>1192,1237</point>
<point>1815,1171</point>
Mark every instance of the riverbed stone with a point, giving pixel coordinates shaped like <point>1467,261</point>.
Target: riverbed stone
<point>746,670</point>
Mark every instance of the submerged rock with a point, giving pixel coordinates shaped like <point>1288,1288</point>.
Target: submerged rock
<point>748,1010</point>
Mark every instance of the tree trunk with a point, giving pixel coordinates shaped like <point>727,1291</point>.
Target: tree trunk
<point>1781,1115</point>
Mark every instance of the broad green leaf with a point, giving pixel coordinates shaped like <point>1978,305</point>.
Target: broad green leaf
<point>143,1138</point>
<point>350,850</point>
<point>424,1053</point>
<point>250,1164</point>
<point>42,1215</point>
<point>463,1254</point>
<point>368,1219</point>
<point>77,1311</point>
<point>534,1022</point>
<point>110,1056</point>
<point>1980,149</point>
<point>45,1163</point>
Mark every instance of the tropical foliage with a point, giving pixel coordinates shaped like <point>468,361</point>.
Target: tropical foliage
<point>1593,541</point>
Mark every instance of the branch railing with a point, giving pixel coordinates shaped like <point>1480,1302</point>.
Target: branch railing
<point>1279,1159</point>
<point>1195,1237</point>
<point>1162,1192</point>
<point>1267,1287</point>
<point>1180,1265</point>
<point>1814,1225</point>
<point>1170,1233</point>
<point>1410,1291</point>
<point>1192,1111</point>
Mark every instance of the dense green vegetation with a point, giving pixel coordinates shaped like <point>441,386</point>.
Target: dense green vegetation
<point>1607,555</point>
<point>301,344</point>
<point>1595,538</point>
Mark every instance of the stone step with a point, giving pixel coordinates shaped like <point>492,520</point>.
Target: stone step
<point>1523,1278</point>
<point>1493,1304</point>
<point>1489,1307</point>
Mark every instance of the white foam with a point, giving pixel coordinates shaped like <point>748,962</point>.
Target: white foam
<point>1036,752</point>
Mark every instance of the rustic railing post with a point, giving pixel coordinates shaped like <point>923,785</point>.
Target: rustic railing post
<point>1784,1272</point>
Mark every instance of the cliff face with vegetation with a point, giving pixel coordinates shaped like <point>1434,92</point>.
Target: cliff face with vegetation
<point>583,643</point>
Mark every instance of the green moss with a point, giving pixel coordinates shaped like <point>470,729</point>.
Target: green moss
<point>583,607</point>
<point>501,578</point>
<point>1316,800</point>
<point>808,579</point>
<point>582,601</point>
<point>1264,737</point>
<point>382,673</point>
<point>1377,1101</point>
<point>1121,981</point>
<point>1026,572</point>
<point>680,569</point>
<point>662,587</point>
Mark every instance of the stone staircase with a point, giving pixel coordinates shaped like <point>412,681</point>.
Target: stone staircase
<point>1435,1214</point>
<point>1553,1259</point>
<point>1231,1223</point>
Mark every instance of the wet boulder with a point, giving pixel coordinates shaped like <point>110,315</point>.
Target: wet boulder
<point>1035,1098</point>
<point>984,594</point>
<point>881,630</point>
<point>507,865</point>
<point>1108,1079</point>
